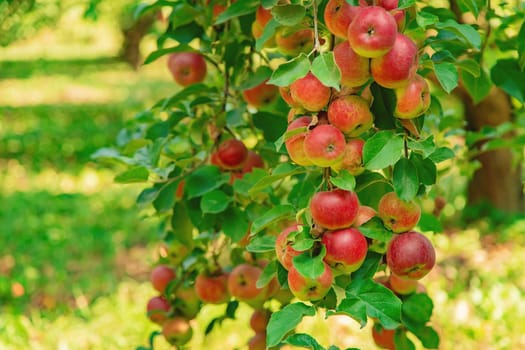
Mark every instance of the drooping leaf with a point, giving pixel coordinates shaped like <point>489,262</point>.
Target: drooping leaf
<point>507,74</point>
<point>267,34</point>
<point>135,174</point>
<point>268,273</point>
<point>215,202</point>
<point>326,70</point>
<point>235,223</point>
<point>290,71</point>
<point>344,180</point>
<point>426,169</point>
<point>370,187</point>
<point>288,14</point>
<point>375,229</point>
<point>447,75</point>
<point>478,88</point>
<point>261,244</point>
<point>236,9</point>
<point>369,267</point>
<point>285,320</point>
<point>275,214</point>
<point>181,224</point>
<point>310,266</point>
<point>464,31</point>
<point>441,154</point>
<point>382,150</point>
<point>204,180</point>
<point>405,179</point>
<point>429,223</point>
<point>166,197</point>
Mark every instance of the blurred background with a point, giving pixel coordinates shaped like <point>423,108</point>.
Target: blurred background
<point>75,251</point>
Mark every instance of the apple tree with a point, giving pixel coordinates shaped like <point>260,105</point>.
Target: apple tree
<point>292,164</point>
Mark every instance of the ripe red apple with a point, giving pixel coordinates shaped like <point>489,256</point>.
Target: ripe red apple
<point>263,16</point>
<point>335,209</point>
<point>242,284</point>
<point>310,93</point>
<point>258,341</point>
<point>294,43</point>
<point>259,320</point>
<point>398,66</point>
<point>384,338</point>
<point>410,255</point>
<point>338,15</point>
<point>398,215</point>
<point>324,145</point>
<point>308,289</point>
<point>373,32</point>
<point>364,214</point>
<point>232,154</point>
<point>402,286</point>
<point>261,95</point>
<point>161,276</point>
<point>283,247</point>
<point>212,289</point>
<point>295,144</point>
<point>177,331</point>
<point>400,17</point>
<point>287,96</point>
<point>412,99</point>
<point>351,115</point>
<point>187,67</point>
<point>355,69</point>
<point>345,249</point>
<point>158,309</point>
<point>353,158</point>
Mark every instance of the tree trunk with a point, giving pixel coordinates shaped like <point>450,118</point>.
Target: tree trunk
<point>130,51</point>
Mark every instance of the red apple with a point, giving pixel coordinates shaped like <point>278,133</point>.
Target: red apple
<point>232,154</point>
<point>287,96</point>
<point>402,286</point>
<point>412,99</point>
<point>398,215</point>
<point>212,289</point>
<point>177,331</point>
<point>263,16</point>
<point>308,289</point>
<point>345,249</point>
<point>395,68</point>
<point>242,284</point>
<point>384,338</point>
<point>353,158</point>
<point>258,341</point>
<point>351,115</point>
<point>310,93</point>
<point>410,255</point>
<point>161,276</point>
<point>187,67</point>
<point>373,32</point>
<point>283,247</point>
<point>364,214</point>
<point>261,95</point>
<point>253,161</point>
<point>294,43</point>
<point>259,320</point>
<point>295,144</point>
<point>338,15</point>
<point>335,209</point>
<point>355,69</point>
<point>158,309</point>
<point>324,145</point>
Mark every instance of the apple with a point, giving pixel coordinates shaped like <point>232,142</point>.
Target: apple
<point>294,43</point>
<point>398,215</point>
<point>355,69</point>
<point>398,66</point>
<point>257,29</point>
<point>177,331</point>
<point>187,67</point>
<point>338,15</point>
<point>353,158</point>
<point>410,255</point>
<point>384,338</point>
<point>402,286</point>
<point>253,161</point>
<point>413,99</point>
<point>212,289</point>
<point>186,302</point>
<point>242,284</point>
<point>258,341</point>
<point>308,289</point>
<point>364,214</point>
<point>350,114</point>
<point>373,32</point>
<point>334,209</point>
<point>161,276</point>
<point>400,17</point>
<point>174,250</point>
<point>263,16</point>
<point>283,247</point>
<point>261,95</point>
<point>345,249</point>
<point>310,93</point>
<point>158,308</point>
<point>287,96</point>
<point>232,154</point>
<point>324,145</point>
<point>295,144</point>
<point>259,320</point>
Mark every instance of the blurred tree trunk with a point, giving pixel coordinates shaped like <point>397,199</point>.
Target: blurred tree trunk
<point>130,51</point>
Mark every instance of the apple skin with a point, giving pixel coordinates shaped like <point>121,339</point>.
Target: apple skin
<point>324,145</point>
<point>364,214</point>
<point>186,302</point>
<point>402,286</point>
<point>294,43</point>
<point>157,309</point>
<point>242,284</point>
<point>295,144</point>
<point>287,96</point>
<point>263,16</point>
<point>177,331</point>
<point>187,67</point>
<point>410,255</point>
<point>384,338</point>
<point>351,115</point>
<point>353,158</point>
<point>259,320</point>
<point>212,289</point>
<point>261,95</point>
<point>258,341</point>
<point>232,154</point>
<point>413,99</point>
<point>307,289</point>
<point>398,66</point>
<point>283,247</point>
<point>355,69</point>
<point>398,215</point>
<point>310,93</point>
<point>161,276</point>
<point>333,210</point>
<point>338,15</point>
<point>345,249</point>
<point>253,161</point>
<point>373,32</point>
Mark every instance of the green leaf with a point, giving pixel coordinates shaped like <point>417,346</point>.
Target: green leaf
<point>182,13</point>
<point>267,34</point>
<point>310,266</point>
<point>425,19</point>
<point>344,180</point>
<point>235,223</point>
<point>426,146</point>
<point>288,15</point>
<point>429,223</point>
<point>447,75</point>
<point>268,273</point>
<point>368,298</point>
<point>273,215</point>
<point>417,309</point>
<point>147,196</point>
<point>215,202</point>
<point>290,71</point>
<point>285,320</point>
<point>261,244</point>
<point>238,8</point>
<point>181,224</point>
<point>441,154</point>
<point>469,65</point>
<point>369,267</point>
<point>406,3</point>
<point>470,5</point>
<point>402,342</point>
<point>267,4</point>
<point>281,171</point>
<point>261,74</point>
<point>405,179</point>
<point>521,47</point>
<point>370,187</point>
<point>166,197</point>
<point>382,150</point>
<point>426,169</point>
<point>478,88</point>
<point>427,335</point>
<point>464,31</point>
<point>136,174</point>
<point>161,52</point>
<point>204,180</point>
<point>374,229</point>
<point>383,106</point>
<point>272,125</point>
<point>304,341</point>
<point>326,70</point>
<point>507,74</point>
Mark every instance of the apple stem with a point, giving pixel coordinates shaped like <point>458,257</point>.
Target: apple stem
<point>405,144</point>
<point>327,172</point>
